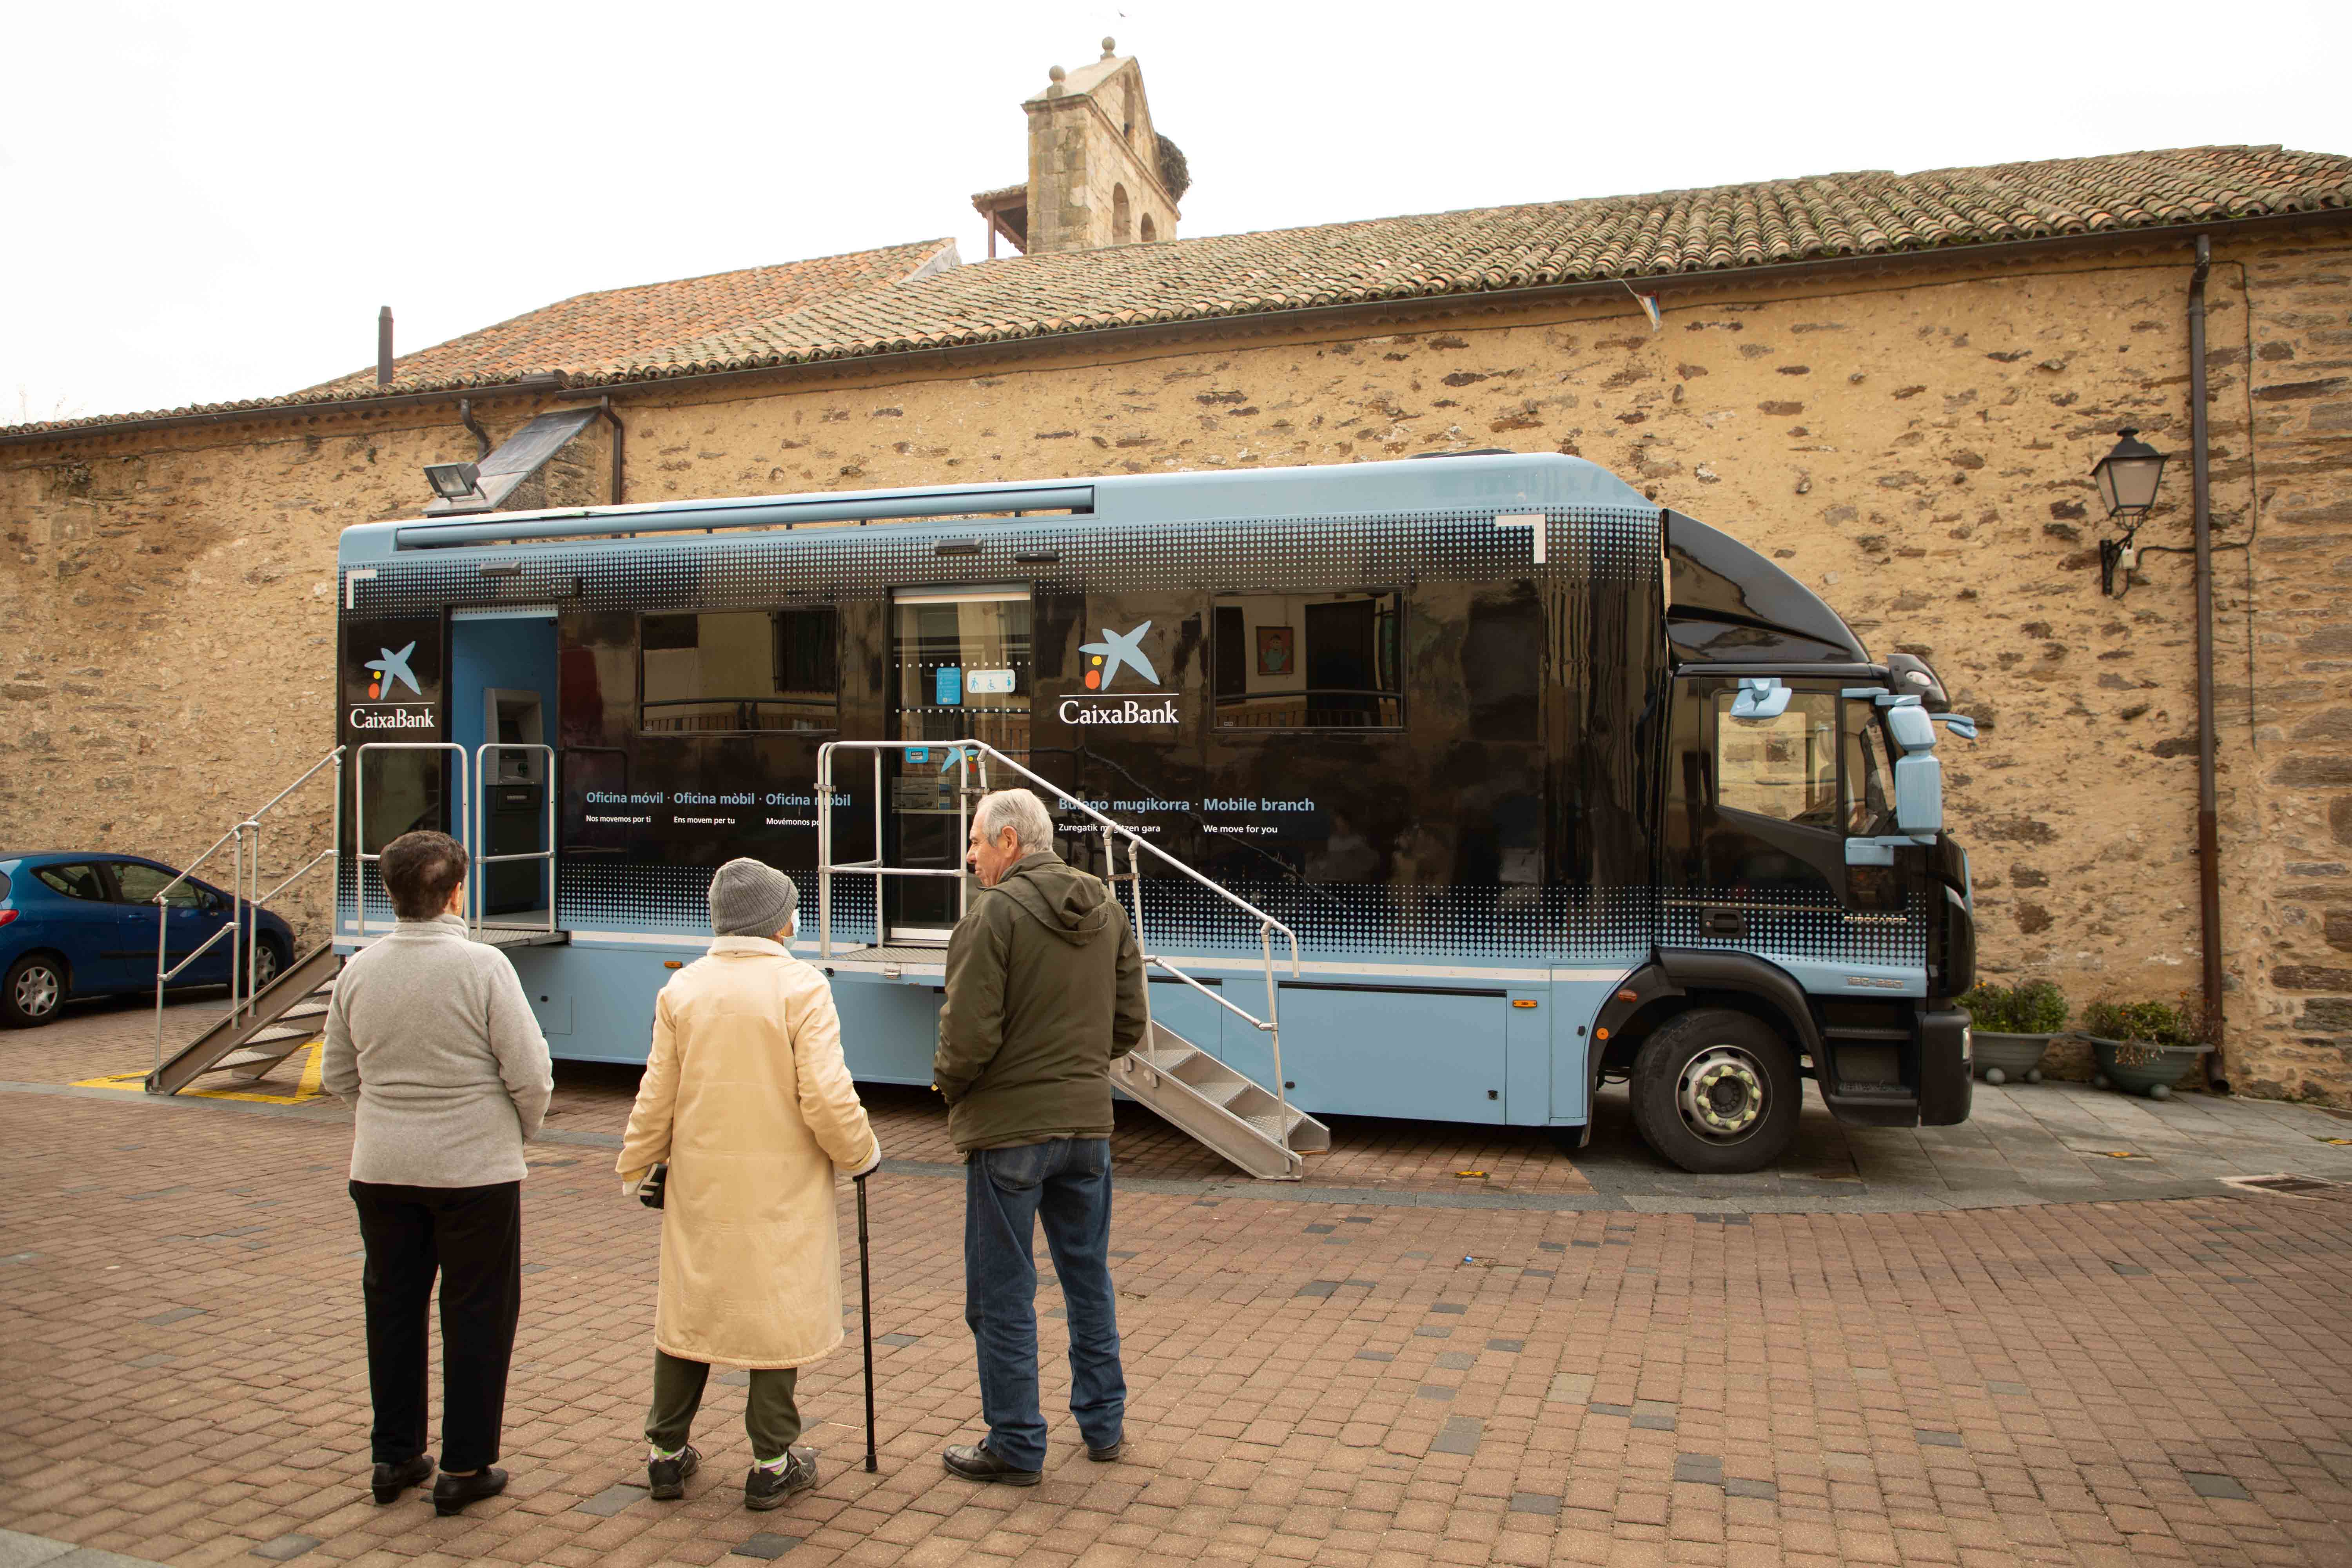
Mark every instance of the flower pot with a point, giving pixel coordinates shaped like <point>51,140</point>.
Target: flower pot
<point>2000,1057</point>
<point>2135,1066</point>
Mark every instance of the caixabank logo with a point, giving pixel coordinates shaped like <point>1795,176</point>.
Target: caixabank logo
<point>383,709</point>
<point>1116,652</point>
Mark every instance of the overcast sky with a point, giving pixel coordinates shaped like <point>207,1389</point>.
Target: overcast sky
<point>208,201</point>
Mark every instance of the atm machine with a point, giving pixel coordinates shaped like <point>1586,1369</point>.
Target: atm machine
<point>514,800</point>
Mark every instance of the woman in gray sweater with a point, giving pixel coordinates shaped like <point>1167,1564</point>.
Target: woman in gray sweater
<point>431,1038</point>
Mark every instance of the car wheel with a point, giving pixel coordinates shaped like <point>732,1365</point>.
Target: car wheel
<point>1716,1093</point>
<point>268,961</point>
<point>33,992</point>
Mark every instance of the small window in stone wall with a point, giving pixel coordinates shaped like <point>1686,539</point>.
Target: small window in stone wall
<point>1122,221</point>
<point>1147,231</point>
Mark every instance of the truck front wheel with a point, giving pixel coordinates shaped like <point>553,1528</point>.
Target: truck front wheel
<point>1717,1092</point>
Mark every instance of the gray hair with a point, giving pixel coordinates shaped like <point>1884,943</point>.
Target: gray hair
<point>1020,810</point>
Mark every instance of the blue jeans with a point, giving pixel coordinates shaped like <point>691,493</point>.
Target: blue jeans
<point>1066,1183</point>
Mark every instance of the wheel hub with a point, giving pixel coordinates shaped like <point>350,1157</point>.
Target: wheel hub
<point>1722,1095</point>
<point>37,992</point>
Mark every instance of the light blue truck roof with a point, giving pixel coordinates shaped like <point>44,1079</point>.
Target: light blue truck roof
<point>1500,482</point>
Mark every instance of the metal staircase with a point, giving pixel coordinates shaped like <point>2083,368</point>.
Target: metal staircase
<point>1254,1127</point>
<point>291,1013</point>
<point>1220,1108</point>
<point>270,1020</point>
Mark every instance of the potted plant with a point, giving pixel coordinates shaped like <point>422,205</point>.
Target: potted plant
<point>2012,1027</point>
<point>2142,1048</point>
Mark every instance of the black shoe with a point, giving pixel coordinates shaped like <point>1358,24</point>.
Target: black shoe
<point>452,1493</point>
<point>765,1488</point>
<point>667,1477</point>
<point>1108,1453</point>
<point>973,1462</point>
<point>390,1480</point>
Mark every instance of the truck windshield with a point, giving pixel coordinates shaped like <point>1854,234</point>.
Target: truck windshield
<point>1784,767</point>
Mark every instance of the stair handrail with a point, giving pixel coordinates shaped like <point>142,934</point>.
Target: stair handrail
<point>480,889</point>
<point>247,900</point>
<point>964,754</point>
<point>462,818</point>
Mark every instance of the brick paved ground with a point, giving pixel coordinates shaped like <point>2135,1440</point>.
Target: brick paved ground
<point>1352,1380</point>
<point>2052,1142</point>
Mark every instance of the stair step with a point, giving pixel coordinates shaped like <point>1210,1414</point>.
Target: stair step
<point>246,1059</point>
<point>1223,1108</point>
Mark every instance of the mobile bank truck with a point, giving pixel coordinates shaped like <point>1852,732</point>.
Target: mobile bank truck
<point>1436,789</point>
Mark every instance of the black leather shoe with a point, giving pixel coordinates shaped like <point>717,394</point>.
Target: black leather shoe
<point>765,1488</point>
<point>452,1493</point>
<point>667,1478</point>
<point>390,1480</point>
<point>1108,1454</point>
<point>973,1462</point>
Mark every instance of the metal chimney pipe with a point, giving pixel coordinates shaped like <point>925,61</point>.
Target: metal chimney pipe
<point>383,347</point>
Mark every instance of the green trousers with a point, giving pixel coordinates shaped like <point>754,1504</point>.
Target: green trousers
<point>768,1414</point>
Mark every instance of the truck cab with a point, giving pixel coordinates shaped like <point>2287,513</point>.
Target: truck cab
<point>1814,918</point>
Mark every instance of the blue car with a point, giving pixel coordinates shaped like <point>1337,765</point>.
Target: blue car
<point>74,925</point>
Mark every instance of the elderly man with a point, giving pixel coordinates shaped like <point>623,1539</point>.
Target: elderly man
<point>432,1036</point>
<point>1044,989</point>
<point>746,1097</point>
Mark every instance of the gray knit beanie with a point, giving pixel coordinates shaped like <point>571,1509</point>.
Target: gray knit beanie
<point>749,898</point>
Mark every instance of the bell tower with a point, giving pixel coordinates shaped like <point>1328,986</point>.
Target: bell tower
<point>1099,172</point>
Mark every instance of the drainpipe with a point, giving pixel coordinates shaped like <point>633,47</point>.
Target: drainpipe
<point>605,407</point>
<point>383,347</point>
<point>2208,835</point>
<point>481,436</point>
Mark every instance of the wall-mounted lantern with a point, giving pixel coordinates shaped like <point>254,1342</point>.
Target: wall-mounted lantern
<point>2128,478</point>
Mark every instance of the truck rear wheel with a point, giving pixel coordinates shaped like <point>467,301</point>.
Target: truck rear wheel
<point>1717,1092</point>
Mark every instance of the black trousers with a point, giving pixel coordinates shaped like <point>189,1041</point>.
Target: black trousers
<point>472,1236</point>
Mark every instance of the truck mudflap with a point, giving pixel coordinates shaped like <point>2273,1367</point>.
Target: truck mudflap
<point>1947,1068</point>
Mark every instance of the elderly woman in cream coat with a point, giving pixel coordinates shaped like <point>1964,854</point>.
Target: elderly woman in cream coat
<point>746,1097</point>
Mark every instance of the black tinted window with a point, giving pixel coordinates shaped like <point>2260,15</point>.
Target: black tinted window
<point>74,882</point>
<point>140,884</point>
<point>733,670</point>
<point>1309,661</point>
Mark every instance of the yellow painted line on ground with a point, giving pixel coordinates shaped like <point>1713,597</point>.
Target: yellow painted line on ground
<point>310,1087</point>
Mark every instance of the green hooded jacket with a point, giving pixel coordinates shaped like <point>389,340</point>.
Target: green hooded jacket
<point>1044,989</point>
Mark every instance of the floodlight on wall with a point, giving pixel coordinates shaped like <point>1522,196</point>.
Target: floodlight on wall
<point>454,482</point>
<point>2128,478</point>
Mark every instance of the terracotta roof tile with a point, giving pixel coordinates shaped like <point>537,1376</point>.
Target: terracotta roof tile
<point>852,307</point>
<point>595,328</point>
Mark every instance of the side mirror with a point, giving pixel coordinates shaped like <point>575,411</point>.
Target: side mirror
<point>1760,700</point>
<point>1919,794</point>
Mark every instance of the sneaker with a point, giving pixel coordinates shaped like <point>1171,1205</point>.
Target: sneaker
<point>765,1488</point>
<point>390,1480</point>
<point>667,1478</point>
<point>452,1493</point>
<point>1108,1452</point>
<point>973,1462</point>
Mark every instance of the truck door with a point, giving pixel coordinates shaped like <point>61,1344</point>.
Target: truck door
<point>1754,858</point>
<point>1753,844</point>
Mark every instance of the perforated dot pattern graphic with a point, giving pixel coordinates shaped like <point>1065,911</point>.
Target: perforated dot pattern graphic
<point>1426,924</point>
<point>1800,925</point>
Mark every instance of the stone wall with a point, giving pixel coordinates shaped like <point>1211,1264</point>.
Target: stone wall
<point>2297,936</point>
<point>1916,447</point>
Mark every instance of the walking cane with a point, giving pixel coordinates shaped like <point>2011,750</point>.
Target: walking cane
<point>866,1321</point>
